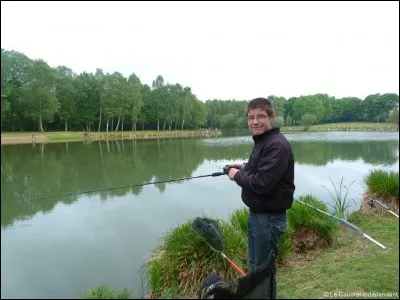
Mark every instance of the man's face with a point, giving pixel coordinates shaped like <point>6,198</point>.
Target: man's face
<point>259,121</point>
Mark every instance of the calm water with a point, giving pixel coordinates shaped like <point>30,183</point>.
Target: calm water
<point>61,247</point>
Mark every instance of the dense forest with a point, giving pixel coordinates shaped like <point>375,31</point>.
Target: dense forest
<point>38,97</point>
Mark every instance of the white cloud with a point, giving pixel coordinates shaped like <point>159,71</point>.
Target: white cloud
<point>223,50</point>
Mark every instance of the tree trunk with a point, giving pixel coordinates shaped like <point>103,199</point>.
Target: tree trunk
<point>116,127</point>
<point>98,130</point>
<point>158,123</point>
<point>66,125</point>
<point>108,120</point>
<point>40,124</point>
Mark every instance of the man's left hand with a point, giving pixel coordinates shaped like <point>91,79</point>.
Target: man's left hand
<point>232,172</point>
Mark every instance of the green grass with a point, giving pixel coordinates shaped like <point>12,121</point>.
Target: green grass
<point>383,183</point>
<point>183,259</point>
<point>351,126</point>
<point>239,219</point>
<point>340,202</point>
<point>302,216</point>
<point>350,265</point>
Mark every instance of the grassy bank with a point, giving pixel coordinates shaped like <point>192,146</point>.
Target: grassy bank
<point>317,258</point>
<point>350,267</point>
<point>62,136</point>
<point>348,126</point>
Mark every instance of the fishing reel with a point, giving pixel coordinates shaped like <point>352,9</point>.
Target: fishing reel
<point>226,169</point>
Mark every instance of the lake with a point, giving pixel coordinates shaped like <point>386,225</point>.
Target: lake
<point>60,247</point>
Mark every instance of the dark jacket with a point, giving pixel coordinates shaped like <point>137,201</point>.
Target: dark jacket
<point>267,180</point>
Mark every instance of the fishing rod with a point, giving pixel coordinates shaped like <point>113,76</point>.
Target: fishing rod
<point>348,224</point>
<point>372,202</point>
<point>224,172</point>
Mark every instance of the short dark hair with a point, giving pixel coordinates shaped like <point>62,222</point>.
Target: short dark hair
<point>261,103</point>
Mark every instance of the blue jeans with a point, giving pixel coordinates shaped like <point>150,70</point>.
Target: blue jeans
<point>265,229</point>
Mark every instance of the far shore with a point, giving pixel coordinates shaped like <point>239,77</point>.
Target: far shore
<point>72,136</point>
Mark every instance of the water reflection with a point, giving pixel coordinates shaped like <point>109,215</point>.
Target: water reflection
<point>55,169</point>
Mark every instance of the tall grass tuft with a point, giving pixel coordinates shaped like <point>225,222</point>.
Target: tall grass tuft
<point>239,219</point>
<point>340,202</point>
<point>184,258</point>
<point>301,216</point>
<point>384,184</point>
<point>105,291</point>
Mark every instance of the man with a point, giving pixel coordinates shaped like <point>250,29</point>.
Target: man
<point>267,182</point>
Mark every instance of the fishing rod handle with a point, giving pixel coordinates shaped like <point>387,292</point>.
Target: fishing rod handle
<point>372,240</point>
<point>232,263</point>
<point>217,174</point>
<point>381,204</point>
<point>235,266</point>
<point>351,226</point>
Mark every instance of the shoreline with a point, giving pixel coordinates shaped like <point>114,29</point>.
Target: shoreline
<point>74,136</point>
<point>13,138</point>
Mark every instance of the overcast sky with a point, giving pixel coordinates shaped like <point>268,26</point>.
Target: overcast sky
<point>222,50</point>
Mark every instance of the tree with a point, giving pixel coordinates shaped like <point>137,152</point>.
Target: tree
<point>17,71</point>
<point>308,119</point>
<point>279,121</point>
<point>86,100</point>
<point>39,94</point>
<point>394,116</point>
<point>65,94</point>
<point>134,99</point>
<point>289,121</point>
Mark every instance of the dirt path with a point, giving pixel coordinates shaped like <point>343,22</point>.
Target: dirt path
<point>22,139</point>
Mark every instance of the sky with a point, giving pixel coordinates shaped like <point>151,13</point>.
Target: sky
<point>221,50</point>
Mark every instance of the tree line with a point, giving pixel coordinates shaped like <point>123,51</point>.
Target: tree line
<point>37,97</point>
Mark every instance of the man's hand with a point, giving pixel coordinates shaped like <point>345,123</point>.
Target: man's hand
<point>232,172</point>
<point>236,166</point>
